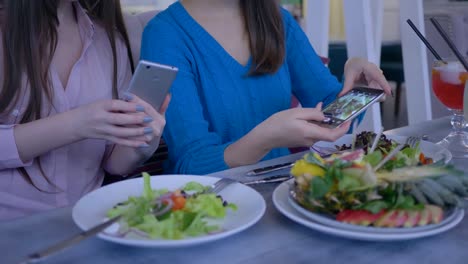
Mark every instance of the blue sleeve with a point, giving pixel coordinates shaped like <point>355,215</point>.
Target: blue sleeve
<point>193,148</point>
<point>312,82</point>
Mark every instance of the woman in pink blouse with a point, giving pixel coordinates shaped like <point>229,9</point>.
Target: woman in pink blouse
<point>63,65</point>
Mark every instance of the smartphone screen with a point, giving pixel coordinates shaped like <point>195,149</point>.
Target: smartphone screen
<point>350,105</point>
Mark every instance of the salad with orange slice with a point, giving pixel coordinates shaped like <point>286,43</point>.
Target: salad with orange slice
<point>161,213</point>
<point>408,190</point>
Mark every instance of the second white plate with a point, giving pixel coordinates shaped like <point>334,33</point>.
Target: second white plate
<point>282,203</point>
<point>330,221</point>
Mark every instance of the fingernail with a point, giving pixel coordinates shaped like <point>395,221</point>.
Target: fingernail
<point>144,145</point>
<point>147,119</point>
<point>140,108</point>
<point>127,96</point>
<point>148,130</point>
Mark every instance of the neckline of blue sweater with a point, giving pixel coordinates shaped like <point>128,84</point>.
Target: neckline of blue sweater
<point>198,34</point>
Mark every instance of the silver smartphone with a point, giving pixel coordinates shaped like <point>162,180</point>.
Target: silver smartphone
<point>152,81</point>
<point>348,106</point>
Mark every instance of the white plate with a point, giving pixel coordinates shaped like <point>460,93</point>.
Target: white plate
<point>91,209</point>
<point>429,149</point>
<point>330,221</point>
<point>281,202</point>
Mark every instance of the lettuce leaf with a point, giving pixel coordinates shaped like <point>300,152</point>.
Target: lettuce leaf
<point>206,205</point>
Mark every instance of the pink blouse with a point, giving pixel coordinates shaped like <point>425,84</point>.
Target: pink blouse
<point>75,169</point>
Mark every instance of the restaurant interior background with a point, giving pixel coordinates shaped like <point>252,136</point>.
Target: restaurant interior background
<point>451,14</point>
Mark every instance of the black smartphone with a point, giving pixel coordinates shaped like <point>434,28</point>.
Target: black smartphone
<point>151,82</point>
<point>349,106</point>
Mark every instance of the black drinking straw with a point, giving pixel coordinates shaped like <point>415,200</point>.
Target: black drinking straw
<point>449,42</point>
<point>424,40</point>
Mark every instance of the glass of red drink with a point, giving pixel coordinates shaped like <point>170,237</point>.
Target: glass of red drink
<point>448,83</point>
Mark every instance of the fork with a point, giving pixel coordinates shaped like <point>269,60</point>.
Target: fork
<point>35,257</point>
<point>411,141</point>
<point>220,185</point>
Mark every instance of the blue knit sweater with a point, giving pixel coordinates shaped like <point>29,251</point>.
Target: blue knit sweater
<point>213,102</point>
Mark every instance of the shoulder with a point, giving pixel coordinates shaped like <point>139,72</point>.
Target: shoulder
<point>287,17</point>
<point>165,38</point>
<point>162,29</point>
<point>164,21</point>
<point>291,27</point>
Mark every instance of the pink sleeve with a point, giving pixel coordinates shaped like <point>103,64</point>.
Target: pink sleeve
<point>9,156</point>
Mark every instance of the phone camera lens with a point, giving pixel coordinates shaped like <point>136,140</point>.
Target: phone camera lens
<point>147,67</point>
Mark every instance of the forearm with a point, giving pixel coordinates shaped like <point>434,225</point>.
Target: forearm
<point>41,136</point>
<point>249,149</point>
<point>123,160</point>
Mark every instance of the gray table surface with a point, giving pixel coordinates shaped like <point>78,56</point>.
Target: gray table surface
<point>274,239</point>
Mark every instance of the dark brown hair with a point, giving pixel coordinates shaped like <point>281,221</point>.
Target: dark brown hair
<point>29,40</point>
<point>264,25</point>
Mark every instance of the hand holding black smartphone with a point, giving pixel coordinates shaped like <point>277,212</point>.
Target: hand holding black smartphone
<point>152,81</point>
<point>349,106</point>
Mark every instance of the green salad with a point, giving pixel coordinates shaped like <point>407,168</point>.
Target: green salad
<point>161,213</point>
<point>392,185</point>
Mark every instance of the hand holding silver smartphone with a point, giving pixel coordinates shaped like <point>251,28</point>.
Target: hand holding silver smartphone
<point>349,106</point>
<point>152,81</point>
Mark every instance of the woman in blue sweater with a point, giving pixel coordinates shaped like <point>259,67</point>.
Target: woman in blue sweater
<point>239,64</point>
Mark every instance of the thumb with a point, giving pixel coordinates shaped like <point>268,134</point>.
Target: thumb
<point>310,114</point>
<point>344,127</point>
<point>348,83</point>
<point>319,106</point>
<point>165,104</point>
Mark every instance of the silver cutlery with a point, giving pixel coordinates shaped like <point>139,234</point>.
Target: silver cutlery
<point>324,152</point>
<point>220,185</point>
<point>268,169</point>
<point>411,141</point>
<point>354,135</point>
<point>376,140</point>
<point>41,255</point>
<point>272,179</point>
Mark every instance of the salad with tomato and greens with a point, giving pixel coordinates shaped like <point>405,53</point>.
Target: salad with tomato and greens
<point>161,213</point>
<point>408,190</point>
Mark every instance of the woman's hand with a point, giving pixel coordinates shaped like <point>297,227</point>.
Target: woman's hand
<point>123,123</point>
<point>358,71</point>
<point>292,128</point>
<point>288,128</point>
<point>125,158</point>
<point>155,125</point>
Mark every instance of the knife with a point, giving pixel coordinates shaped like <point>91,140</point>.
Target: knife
<point>268,169</point>
<point>272,179</point>
<point>264,170</point>
<point>35,257</point>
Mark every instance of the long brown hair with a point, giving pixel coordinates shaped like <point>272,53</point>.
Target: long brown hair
<point>29,40</point>
<point>265,28</point>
